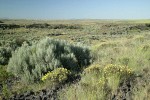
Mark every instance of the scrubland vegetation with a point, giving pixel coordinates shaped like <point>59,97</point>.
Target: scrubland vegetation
<point>75,60</point>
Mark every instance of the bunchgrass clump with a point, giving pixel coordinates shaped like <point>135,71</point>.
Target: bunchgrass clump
<point>98,82</point>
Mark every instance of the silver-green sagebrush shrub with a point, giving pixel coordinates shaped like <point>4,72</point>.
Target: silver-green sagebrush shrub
<point>30,63</point>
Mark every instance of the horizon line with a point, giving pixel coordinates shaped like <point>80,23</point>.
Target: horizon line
<point>75,19</point>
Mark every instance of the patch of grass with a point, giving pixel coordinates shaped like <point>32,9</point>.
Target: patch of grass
<point>98,83</point>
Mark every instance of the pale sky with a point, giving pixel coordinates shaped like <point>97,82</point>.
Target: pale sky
<point>75,9</point>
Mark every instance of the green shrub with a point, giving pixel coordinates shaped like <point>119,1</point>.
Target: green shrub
<point>30,63</point>
<point>6,49</point>
<point>5,54</point>
<point>54,26</point>
<point>4,75</point>
<point>6,92</point>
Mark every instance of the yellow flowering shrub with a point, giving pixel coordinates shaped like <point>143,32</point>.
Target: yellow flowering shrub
<point>57,75</point>
<point>102,75</point>
<point>93,68</point>
<point>117,69</point>
<point>101,82</point>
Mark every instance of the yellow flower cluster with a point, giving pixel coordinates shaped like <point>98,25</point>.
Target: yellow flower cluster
<point>113,69</point>
<point>108,69</point>
<point>93,68</point>
<point>57,75</point>
<point>101,81</point>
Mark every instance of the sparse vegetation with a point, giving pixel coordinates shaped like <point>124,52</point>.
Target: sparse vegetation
<point>75,60</point>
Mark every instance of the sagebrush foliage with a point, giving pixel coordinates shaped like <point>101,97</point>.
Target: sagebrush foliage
<point>6,49</point>
<point>31,62</point>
